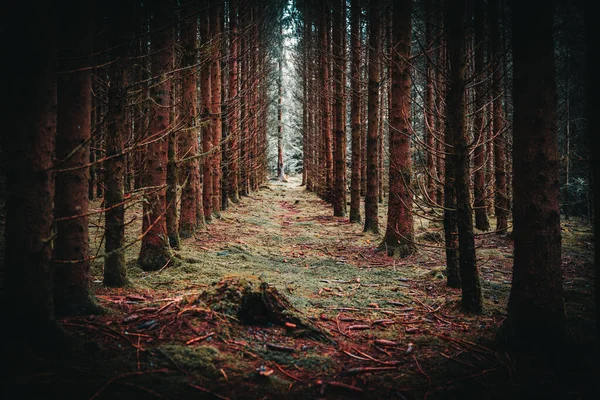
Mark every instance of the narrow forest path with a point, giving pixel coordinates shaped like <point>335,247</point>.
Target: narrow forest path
<point>395,330</point>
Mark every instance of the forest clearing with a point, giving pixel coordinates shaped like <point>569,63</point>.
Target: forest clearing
<point>392,328</point>
<point>303,199</point>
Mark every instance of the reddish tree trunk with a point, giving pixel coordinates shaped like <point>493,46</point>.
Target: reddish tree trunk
<point>355,114</point>
<point>72,293</point>
<point>155,251</point>
<point>430,106</point>
<point>536,314</point>
<point>234,105</point>
<point>326,104</point>
<point>371,207</point>
<point>215,109</point>
<point>206,124</point>
<point>192,214</point>
<point>339,68</point>
<point>399,235</point>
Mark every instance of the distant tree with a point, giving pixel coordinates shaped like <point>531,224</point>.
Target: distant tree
<point>325,37</point>
<point>481,218</point>
<point>501,199</point>
<point>72,291</point>
<point>371,207</point>
<point>216,99</point>
<point>234,103</point>
<point>355,115</point>
<point>593,85</point>
<point>205,110</point>
<point>429,120</point>
<point>536,314</point>
<point>280,170</point>
<point>339,142</point>
<point>399,235</point>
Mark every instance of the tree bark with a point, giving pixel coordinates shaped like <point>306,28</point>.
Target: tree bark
<point>326,103</point>
<point>430,105</point>
<point>155,251</point>
<point>536,314</point>
<point>280,171</point>
<point>355,114</point>
<point>457,126</point>
<point>27,279</point>
<point>371,207</point>
<point>234,104</point>
<point>500,201</point>
<point>192,214</point>
<point>115,272</point>
<point>72,293</point>
<point>481,218</point>
<point>206,124</point>
<point>339,68</point>
<point>593,85</point>
<point>399,235</point>
<point>215,111</point>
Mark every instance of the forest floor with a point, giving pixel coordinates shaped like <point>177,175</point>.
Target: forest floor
<point>360,324</point>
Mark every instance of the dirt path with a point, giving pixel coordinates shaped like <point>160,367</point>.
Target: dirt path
<point>394,329</point>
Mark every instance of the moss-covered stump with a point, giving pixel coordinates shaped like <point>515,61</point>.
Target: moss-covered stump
<point>255,302</point>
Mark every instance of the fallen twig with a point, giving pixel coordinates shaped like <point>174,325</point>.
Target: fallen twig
<point>200,338</point>
<point>122,376</point>
<point>208,391</point>
<point>279,347</point>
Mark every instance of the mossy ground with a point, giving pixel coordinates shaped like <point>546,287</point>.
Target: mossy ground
<point>381,312</point>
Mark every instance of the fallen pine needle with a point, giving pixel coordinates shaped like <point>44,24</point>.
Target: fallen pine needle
<point>208,391</point>
<point>200,338</point>
<point>122,376</point>
<point>340,385</point>
<point>279,347</point>
<point>365,370</point>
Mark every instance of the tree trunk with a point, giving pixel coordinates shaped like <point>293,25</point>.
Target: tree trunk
<point>339,69</point>
<point>216,88</point>
<point>371,207</point>
<point>155,251</point>
<point>430,106</point>
<point>457,126</point>
<point>481,218</point>
<point>326,103</point>
<point>115,272</point>
<point>206,129</point>
<point>449,174</point>
<point>192,215</point>
<point>72,293</point>
<point>399,235</point>
<point>355,114</point>
<point>536,314</point>
<point>500,202</point>
<point>593,85</point>
<point>27,280</point>
<point>234,105</point>
<point>280,171</point>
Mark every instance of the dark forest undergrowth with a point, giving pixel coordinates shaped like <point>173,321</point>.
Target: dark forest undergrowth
<point>358,324</point>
